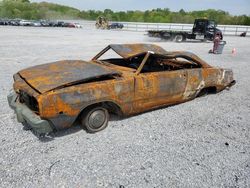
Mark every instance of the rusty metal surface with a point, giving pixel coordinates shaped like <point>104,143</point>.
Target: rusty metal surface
<point>132,92</point>
<point>190,56</point>
<point>128,50</point>
<point>52,75</point>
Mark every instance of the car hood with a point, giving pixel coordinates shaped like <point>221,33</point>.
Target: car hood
<point>47,77</point>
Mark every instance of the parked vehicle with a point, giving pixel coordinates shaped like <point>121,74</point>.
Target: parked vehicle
<point>26,23</point>
<point>53,24</point>
<point>60,24</point>
<point>44,23</point>
<point>77,25</point>
<point>72,25</point>
<point>203,29</point>
<point>52,96</point>
<point>4,22</point>
<point>15,22</point>
<point>116,26</point>
<point>36,24</point>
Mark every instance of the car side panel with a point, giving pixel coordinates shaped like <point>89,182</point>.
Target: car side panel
<point>146,91</point>
<point>157,89</point>
<point>212,77</point>
<point>195,83</point>
<point>63,106</point>
<point>220,78</point>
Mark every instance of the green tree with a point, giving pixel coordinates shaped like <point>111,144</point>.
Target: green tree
<point>28,10</point>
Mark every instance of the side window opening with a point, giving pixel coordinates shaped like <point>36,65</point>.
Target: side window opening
<point>110,53</point>
<point>211,24</point>
<point>158,64</point>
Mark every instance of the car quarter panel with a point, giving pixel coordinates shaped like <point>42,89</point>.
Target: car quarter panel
<point>212,77</point>
<point>195,83</point>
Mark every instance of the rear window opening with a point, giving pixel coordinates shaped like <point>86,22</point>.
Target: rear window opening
<point>111,53</point>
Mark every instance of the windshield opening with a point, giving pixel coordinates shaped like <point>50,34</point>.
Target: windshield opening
<point>131,62</point>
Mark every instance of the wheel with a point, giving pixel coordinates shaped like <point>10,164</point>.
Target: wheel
<point>95,119</point>
<point>179,38</point>
<point>204,40</point>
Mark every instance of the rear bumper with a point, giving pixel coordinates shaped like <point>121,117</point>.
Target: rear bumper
<point>25,115</point>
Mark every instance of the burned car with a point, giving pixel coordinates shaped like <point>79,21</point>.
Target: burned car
<point>143,77</point>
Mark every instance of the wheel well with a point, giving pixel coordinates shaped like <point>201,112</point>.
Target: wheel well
<point>207,90</point>
<point>110,106</point>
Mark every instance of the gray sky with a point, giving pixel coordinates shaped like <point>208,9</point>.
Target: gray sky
<point>234,7</point>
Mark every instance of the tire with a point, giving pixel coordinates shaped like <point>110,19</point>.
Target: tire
<point>179,38</point>
<point>95,119</point>
<point>204,40</point>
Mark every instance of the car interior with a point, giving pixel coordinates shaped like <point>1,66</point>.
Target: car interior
<point>155,63</point>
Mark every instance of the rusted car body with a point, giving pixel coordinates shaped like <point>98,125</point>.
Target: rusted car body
<point>53,96</point>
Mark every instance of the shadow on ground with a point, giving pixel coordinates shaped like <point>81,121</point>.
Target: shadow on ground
<point>76,127</point>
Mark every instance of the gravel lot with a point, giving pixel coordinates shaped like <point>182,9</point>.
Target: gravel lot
<point>201,143</point>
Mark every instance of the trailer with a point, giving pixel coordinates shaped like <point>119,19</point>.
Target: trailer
<point>203,29</point>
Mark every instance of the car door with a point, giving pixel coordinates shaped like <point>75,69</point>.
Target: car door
<point>171,86</point>
<point>145,91</point>
<point>156,89</point>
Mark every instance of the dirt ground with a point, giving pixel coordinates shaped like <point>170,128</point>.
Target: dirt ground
<point>201,143</point>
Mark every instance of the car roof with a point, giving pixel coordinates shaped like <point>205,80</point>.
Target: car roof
<point>129,50</point>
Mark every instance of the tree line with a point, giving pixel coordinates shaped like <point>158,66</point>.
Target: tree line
<point>27,10</point>
<point>35,11</point>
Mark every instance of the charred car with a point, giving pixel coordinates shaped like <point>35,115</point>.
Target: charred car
<point>143,77</point>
